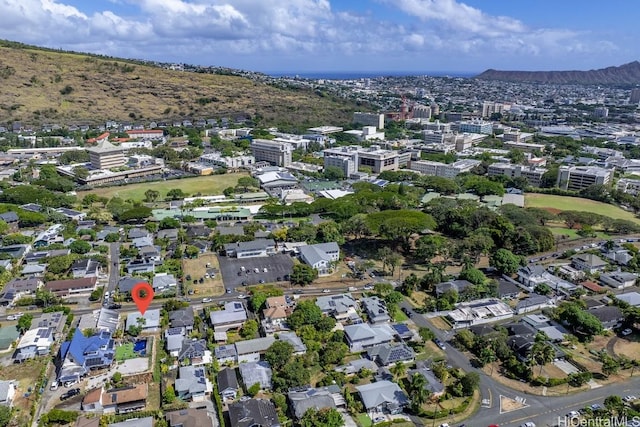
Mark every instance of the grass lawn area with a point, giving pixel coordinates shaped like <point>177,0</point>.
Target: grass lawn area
<point>440,323</point>
<point>206,185</point>
<point>26,375</point>
<point>565,203</point>
<point>363,420</point>
<point>196,268</point>
<point>431,352</point>
<point>125,352</point>
<point>400,316</point>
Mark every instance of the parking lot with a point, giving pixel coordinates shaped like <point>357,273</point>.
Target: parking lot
<point>233,275</point>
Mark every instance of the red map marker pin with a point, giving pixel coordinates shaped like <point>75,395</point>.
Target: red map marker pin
<point>142,294</point>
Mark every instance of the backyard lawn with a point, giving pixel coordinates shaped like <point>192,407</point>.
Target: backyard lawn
<point>125,352</point>
<point>206,185</point>
<point>565,203</point>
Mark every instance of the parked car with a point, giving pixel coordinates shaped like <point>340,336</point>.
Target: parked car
<point>439,343</point>
<point>596,406</point>
<point>630,398</point>
<point>325,291</point>
<point>528,424</point>
<point>627,332</point>
<point>573,414</point>
<point>70,393</point>
<point>368,287</point>
<point>205,300</point>
<point>12,317</point>
<point>297,291</point>
<point>54,385</point>
<point>115,306</point>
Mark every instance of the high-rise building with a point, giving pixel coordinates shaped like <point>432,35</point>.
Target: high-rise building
<point>105,155</point>
<point>354,157</point>
<point>532,174</point>
<point>635,96</point>
<point>476,126</point>
<point>601,112</point>
<point>369,119</point>
<point>489,108</point>
<point>275,152</point>
<point>579,177</point>
<point>421,112</point>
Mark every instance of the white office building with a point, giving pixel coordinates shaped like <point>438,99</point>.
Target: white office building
<point>579,177</point>
<point>274,152</point>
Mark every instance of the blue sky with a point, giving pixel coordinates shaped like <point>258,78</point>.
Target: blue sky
<point>338,35</point>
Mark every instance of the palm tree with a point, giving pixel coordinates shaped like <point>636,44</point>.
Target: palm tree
<point>419,394</point>
<point>398,370</point>
<point>542,353</point>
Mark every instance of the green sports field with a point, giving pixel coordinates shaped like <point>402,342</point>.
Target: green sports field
<point>206,185</point>
<point>565,203</point>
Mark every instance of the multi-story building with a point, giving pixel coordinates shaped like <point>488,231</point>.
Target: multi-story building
<point>229,162</point>
<point>369,119</point>
<point>631,186</point>
<point>350,159</point>
<point>438,126</point>
<point>476,126</point>
<point>524,146</point>
<point>532,174</point>
<point>634,98</point>
<point>421,112</point>
<point>427,167</point>
<point>516,136</point>
<point>580,177</point>
<point>105,155</point>
<point>274,152</point>
<point>601,112</point>
<point>489,108</point>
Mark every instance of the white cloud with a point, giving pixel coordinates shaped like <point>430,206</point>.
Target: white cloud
<point>293,33</point>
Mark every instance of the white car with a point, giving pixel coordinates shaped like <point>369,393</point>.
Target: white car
<point>204,300</point>
<point>12,317</point>
<point>54,385</point>
<point>528,424</point>
<point>325,291</point>
<point>573,414</point>
<point>627,332</point>
<point>630,398</point>
<point>242,296</point>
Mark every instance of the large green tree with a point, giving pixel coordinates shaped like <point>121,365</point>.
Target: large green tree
<point>279,354</point>
<point>325,417</point>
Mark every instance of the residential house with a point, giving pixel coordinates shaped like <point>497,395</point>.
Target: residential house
<point>37,257</point>
<point>610,316</point>
<point>192,384</point>
<point>195,351</point>
<point>532,303</point>
<point>152,253</point>
<point>251,350</point>
<point>173,338</point>
<point>532,275</point>
<point>71,214</point>
<point>151,322</point>
<point>403,332</point>
<point>126,284</point>
<point>203,246</point>
<point>320,256</point>
<point>619,279</point>
<point>631,298</point>
<point>12,220</point>
<point>189,418</point>
<point>432,383</point>
<point>231,317</point>
<point>137,233</point>
<point>116,401</point>
<point>256,373</point>
<point>33,270</point>
<point>165,282</point>
<point>228,384</point>
<point>18,288</point>
<point>15,251</point>
<point>35,342</point>
<point>81,287</point>
<point>195,231</point>
<point>225,354</point>
<point>7,392</point>
<point>479,311</point>
<point>275,314</point>
<point>355,366</point>
<point>170,234</point>
<point>342,307</point>
<point>85,268</point>
<point>618,255</point>
<point>252,249</point>
<point>507,289</point>
<point>390,354</point>
<point>383,397</point>
<point>140,265</point>
<point>376,310</point>
<point>452,285</point>
<point>589,263</point>
<point>253,413</point>
<point>182,318</point>
<point>83,354</point>
<point>303,399</point>
<point>362,336</point>
<point>134,422</point>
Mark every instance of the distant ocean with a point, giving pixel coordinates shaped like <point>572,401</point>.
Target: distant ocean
<point>352,75</point>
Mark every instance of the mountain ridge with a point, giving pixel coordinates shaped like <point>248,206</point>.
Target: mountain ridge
<point>47,86</point>
<point>626,74</point>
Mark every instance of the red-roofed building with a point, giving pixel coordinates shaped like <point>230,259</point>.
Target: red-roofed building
<point>593,287</point>
<point>146,133</point>
<point>99,139</point>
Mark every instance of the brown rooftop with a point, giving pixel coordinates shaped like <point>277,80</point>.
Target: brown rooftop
<point>63,285</point>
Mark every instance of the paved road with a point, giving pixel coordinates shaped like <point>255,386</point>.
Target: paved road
<point>541,410</point>
<point>114,266</point>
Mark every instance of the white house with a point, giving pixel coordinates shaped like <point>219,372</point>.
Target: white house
<point>7,392</point>
<point>320,256</point>
<point>618,279</point>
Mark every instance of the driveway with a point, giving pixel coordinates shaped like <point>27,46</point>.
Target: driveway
<point>348,420</point>
<point>566,367</point>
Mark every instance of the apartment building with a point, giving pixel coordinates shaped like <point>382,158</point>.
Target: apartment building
<point>274,152</point>
<point>524,146</point>
<point>578,177</point>
<point>532,174</point>
<point>105,155</point>
<point>427,167</point>
<point>350,159</point>
<point>631,186</point>
<point>369,119</point>
<point>421,112</point>
<point>475,126</point>
<point>489,108</point>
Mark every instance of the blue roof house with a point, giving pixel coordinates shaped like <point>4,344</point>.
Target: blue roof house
<point>83,354</point>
